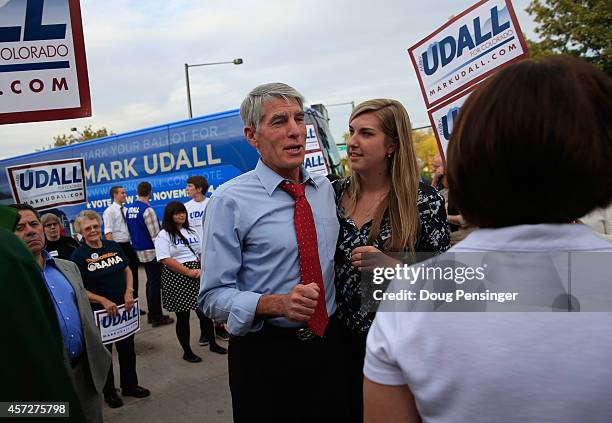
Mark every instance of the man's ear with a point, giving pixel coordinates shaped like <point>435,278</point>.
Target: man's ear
<point>249,133</point>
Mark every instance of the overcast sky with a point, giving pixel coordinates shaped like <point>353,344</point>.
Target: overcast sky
<point>333,51</point>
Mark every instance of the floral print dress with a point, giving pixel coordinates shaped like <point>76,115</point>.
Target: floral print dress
<point>433,237</point>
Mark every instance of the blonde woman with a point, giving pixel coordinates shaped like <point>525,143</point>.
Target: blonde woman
<point>382,207</point>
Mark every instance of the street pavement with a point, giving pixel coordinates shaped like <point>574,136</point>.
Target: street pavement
<point>180,391</point>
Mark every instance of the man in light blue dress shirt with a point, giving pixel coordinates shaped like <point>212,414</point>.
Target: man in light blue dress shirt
<point>251,271</point>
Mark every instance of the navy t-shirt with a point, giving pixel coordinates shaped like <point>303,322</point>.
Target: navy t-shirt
<point>62,248</point>
<point>102,270</point>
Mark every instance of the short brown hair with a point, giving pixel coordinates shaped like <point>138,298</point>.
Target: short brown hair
<point>198,182</point>
<point>143,189</point>
<point>114,191</point>
<point>25,207</point>
<point>533,145</point>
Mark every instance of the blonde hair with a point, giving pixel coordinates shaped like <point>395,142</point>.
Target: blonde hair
<point>401,203</point>
<point>85,215</point>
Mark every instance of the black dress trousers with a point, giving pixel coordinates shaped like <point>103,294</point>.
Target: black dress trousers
<point>275,376</point>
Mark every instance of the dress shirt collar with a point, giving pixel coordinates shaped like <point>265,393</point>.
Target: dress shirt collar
<point>47,259</point>
<point>271,180</point>
<point>541,237</point>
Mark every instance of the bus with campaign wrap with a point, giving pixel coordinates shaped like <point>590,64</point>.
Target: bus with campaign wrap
<point>166,155</point>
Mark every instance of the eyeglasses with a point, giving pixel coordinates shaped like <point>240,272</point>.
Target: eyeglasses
<point>51,225</point>
<point>91,228</point>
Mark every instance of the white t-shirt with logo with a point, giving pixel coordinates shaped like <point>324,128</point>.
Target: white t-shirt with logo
<point>195,214</point>
<point>177,250</point>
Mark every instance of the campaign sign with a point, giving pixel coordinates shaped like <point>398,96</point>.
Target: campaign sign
<point>49,184</point>
<point>314,162</point>
<point>443,116</point>
<point>312,141</point>
<point>120,326</point>
<point>467,49</point>
<point>43,70</point>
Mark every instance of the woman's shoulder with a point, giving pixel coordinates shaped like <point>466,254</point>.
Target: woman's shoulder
<point>69,240</point>
<point>188,231</point>
<point>340,186</point>
<point>163,235</point>
<point>82,251</point>
<point>427,190</point>
<point>428,196</point>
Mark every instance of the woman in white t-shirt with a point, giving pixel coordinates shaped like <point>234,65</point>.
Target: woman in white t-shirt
<point>529,364</point>
<point>177,247</point>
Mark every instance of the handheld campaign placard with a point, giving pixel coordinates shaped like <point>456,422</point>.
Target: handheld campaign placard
<point>467,49</point>
<point>49,184</point>
<point>120,326</point>
<point>43,69</point>
<point>314,160</point>
<point>442,118</point>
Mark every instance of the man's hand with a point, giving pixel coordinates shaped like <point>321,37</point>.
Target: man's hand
<point>109,306</point>
<point>299,304</point>
<point>129,300</point>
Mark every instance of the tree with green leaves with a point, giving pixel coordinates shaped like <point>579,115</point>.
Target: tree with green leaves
<point>581,28</point>
<point>86,134</point>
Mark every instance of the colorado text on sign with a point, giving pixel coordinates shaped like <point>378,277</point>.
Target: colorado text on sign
<point>43,70</point>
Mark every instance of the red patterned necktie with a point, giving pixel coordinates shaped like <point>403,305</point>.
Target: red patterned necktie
<point>308,251</point>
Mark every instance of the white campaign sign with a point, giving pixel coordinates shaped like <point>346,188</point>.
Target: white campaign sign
<point>49,184</point>
<point>122,325</point>
<point>315,163</point>
<point>314,160</point>
<point>467,49</point>
<point>43,71</point>
<point>312,141</point>
<point>443,116</point>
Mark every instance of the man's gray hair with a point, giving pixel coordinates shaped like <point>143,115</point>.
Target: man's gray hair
<point>251,107</point>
